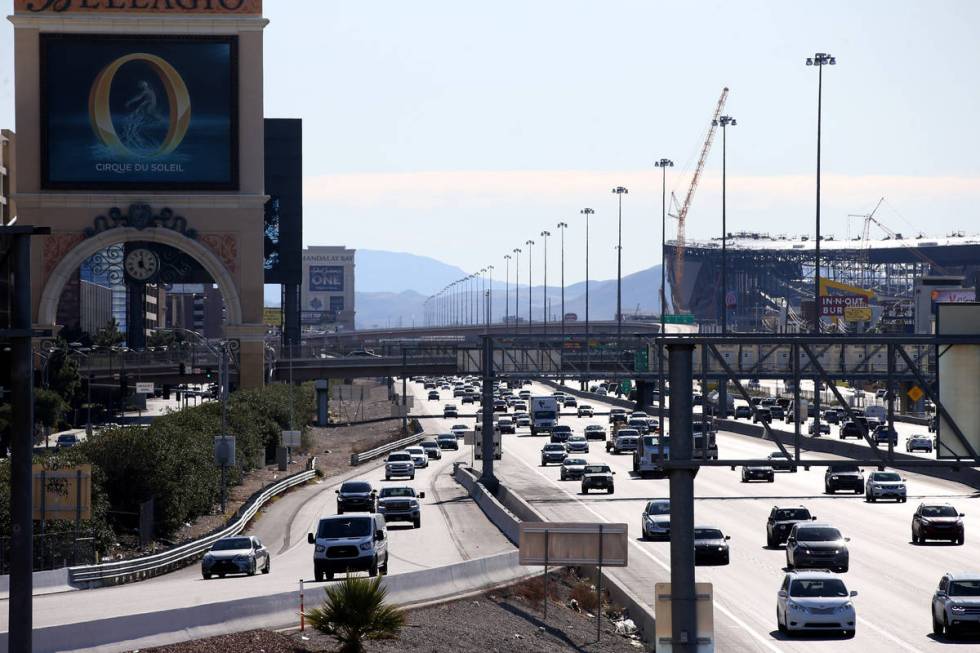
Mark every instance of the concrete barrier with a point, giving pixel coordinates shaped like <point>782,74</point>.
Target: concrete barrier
<point>129,632</point>
<point>498,515</point>
<point>45,582</point>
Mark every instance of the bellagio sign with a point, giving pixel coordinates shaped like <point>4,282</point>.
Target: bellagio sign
<point>140,6</point>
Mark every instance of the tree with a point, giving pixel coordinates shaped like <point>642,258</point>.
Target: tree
<point>354,611</point>
<point>48,407</point>
<point>63,376</point>
<point>109,335</point>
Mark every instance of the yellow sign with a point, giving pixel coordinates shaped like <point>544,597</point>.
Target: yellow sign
<point>915,393</point>
<point>62,494</point>
<point>857,313</point>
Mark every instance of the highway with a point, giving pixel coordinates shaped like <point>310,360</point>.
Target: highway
<point>894,578</point>
<point>453,529</point>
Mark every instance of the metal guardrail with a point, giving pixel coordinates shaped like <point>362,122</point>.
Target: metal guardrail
<point>124,571</point>
<point>364,456</point>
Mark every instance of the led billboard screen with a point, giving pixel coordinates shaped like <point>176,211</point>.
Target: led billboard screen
<point>135,112</point>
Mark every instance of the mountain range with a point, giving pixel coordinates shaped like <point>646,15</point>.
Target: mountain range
<point>392,288</point>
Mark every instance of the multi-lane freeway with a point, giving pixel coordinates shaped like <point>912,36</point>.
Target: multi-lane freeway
<point>894,578</point>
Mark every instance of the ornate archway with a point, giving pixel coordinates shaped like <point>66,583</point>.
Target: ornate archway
<point>55,282</point>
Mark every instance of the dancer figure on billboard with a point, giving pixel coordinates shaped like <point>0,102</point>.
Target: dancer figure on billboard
<point>142,116</point>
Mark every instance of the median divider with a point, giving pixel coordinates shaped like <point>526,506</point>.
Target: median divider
<point>135,631</point>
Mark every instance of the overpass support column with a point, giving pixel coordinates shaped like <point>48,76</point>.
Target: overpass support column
<point>681,442</point>
<point>487,478</point>
<point>322,387</point>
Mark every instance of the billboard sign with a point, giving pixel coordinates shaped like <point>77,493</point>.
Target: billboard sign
<point>243,7</point>
<point>835,305</point>
<point>139,112</point>
<point>326,278</point>
<point>573,543</point>
<point>957,296</point>
<point>284,208</point>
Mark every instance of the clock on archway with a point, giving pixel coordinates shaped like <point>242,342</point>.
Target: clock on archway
<point>141,264</point>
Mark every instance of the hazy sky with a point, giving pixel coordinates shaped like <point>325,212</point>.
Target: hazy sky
<point>459,130</point>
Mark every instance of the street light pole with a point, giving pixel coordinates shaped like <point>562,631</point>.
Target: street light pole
<point>663,164</point>
<point>517,286</point>
<point>507,289</point>
<point>588,349</point>
<point>562,226</point>
<point>724,121</point>
<point>820,59</point>
<point>620,191</point>
<point>530,315</point>
<point>544,325</point>
<point>489,295</point>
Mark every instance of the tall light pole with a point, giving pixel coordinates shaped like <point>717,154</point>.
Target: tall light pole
<point>820,59</point>
<point>663,164</point>
<point>507,289</point>
<point>530,245</point>
<point>517,286</point>
<point>544,325</point>
<point>489,294</point>
<point>588,349</point>
<point>620,191</point>
<point>724,121</point>
<point>562,226</point>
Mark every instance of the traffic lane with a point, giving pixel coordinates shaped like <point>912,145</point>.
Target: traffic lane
<point>879,535</point>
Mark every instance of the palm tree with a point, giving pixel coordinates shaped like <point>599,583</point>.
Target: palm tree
<point>355,610</point>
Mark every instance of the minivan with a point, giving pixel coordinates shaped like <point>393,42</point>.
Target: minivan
<point>349,543</point>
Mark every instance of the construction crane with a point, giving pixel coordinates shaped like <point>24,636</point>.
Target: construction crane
<point>865,236</point>
<point>681,214</point>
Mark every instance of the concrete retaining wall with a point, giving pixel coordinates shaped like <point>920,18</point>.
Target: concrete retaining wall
<point>45,582</point>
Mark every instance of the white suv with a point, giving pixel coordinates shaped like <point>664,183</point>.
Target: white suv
<point>956,603</point>
<point>885,485</point>
<point>815,600</point>
<point>399,463</point>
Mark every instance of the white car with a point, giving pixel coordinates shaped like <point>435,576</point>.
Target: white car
<point>656,519</point>
<point>419,457</point>
<point>399,463</point>
<point>956,603</point>
<point>459,430</point>
<point>885,485</point>
<point>815,601</point>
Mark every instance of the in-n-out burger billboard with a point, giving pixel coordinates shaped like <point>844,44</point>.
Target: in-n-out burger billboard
<point>834,305</point>
<point>143,6</point>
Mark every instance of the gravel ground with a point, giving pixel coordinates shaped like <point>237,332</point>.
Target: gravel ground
<point>505,620</point>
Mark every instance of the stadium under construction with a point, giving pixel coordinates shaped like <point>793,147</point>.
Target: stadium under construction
<point>886,285</point>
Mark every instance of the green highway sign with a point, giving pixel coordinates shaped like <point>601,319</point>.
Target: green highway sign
<point>680,318</point>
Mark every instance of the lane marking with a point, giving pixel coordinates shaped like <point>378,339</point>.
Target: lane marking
<point>887,635</point>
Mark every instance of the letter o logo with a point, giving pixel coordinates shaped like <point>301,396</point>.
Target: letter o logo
<point>178,99</point>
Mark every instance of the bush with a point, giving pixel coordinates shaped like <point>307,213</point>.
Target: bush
<point>48,407</point>
<point>354,611</point>
<point>584,593</point>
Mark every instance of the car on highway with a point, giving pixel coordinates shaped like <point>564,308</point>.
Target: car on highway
<point>577,444</point>
<point>710,546</point>
<point>499,406</point>
<point>918,443</point>
<point>831,415</point>
<point>843,476</point>
<point>758,473</point>
<point>432,449</point>
<point>655,522</point>
<point>433,395</point>
<point>401,503</point>
<point>363,353</point>
<point>781,521</point>
<point>524,395</point>
<point>883,434</point>
<point>762,414</point>
<point>67,441</point>
<point>851,429</point>
<point>356,496</point>
<point>641,424</point>
<point>815,601</point>
<point>450,410</point>
<point>506,425</point>
<point>817,546</point>
<point>812,428</point>
<point>595,432</point>
<point>458,391</point>
<point>553,452</point>
<point>570,402</point>
<point>428,385</point>
<point>522,420</point>
<point>626,441</point>
<point>585,410</point>
<point>448,441</point>
<point>617,415</point>
<point>459,430</point>
<point>779,460</point>
<point>956,603</point>
<point>597,477</point>
<point>742,412</point>
<point>885,485</point>
<point>344,543</point>
<point>238,554</point>
<point>572,468</point>
<point>937,521</point>
<point>520,406</point>
<point>419,456</point>
<point>400,463</point>
<point>469,398</point>
<point>777,412</point>
<point>561,433</point>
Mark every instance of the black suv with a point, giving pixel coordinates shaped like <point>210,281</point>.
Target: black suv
<point>356,496</point>
<point>843,477</point>
<point>561,433</point>
<point>851,430</point>
<point>781,522</point>
<point>597,477</point>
